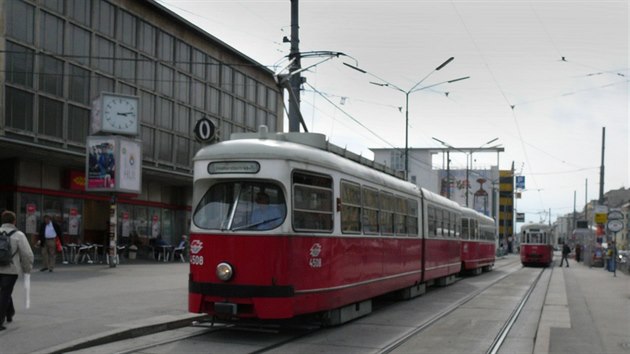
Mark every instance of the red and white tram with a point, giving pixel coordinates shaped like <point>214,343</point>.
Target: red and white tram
<point>283,227</point>
<point>478,242</point>
<point>536,245</point>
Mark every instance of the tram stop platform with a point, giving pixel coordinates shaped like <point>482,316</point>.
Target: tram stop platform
<point>586,310</point>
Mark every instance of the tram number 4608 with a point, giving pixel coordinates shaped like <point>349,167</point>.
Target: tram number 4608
<point>196,260</point>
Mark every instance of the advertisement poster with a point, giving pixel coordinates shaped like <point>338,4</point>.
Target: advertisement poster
<point>31,219</point>
<point>101,169</point>
<point>73,222</point>
<point>478,186</point>
<point>130,163</point>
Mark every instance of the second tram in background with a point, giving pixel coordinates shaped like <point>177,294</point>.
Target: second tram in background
<point>536,245</point>
<point>285,224</point>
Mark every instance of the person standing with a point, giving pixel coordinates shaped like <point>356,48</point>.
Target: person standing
<point>22,262</point>
<point>578,252</point>
<point>565,254</point>
<point>48,232</point>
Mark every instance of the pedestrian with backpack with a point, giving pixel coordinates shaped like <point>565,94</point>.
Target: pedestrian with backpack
<point>16,257</point>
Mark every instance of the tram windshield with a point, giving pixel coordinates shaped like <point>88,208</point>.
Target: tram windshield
<point>241,206</point>
<point>535,237</point>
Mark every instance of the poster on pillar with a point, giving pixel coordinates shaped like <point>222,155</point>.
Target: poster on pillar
<point>113,164</point>
<point>472,189</point>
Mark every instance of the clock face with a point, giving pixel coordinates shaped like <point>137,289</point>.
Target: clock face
<point>120,114</point>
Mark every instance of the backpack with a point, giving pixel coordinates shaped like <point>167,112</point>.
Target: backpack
<point>6,254</point>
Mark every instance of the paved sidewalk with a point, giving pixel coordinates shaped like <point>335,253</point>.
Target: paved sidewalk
<point>79,303</point>
<point>598,306</point>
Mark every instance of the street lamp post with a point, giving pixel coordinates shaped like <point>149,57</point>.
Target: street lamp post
<point>415,88</point>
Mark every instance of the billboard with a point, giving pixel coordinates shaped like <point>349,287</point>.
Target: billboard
<point>469,188</point>
<point>113,164</point>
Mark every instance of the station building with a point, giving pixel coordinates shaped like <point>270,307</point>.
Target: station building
<point>57,56</point>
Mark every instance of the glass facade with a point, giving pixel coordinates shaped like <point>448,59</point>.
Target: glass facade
<point>63,54</point>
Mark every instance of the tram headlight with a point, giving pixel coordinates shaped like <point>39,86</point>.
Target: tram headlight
<point>224,271</point>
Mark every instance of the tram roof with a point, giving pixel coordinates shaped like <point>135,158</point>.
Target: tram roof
<point>304,142</point>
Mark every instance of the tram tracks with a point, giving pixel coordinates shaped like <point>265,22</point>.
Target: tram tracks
<point>402,334</point>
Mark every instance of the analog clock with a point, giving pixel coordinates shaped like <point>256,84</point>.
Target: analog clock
<point>119,114</point>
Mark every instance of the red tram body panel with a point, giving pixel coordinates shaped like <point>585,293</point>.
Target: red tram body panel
<point>478,247</point>
<point>282,227</point>
<point>285,276</point>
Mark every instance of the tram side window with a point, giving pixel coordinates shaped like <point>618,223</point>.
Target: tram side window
<point>412,217</point>
<point>350,207</point>
<point>400,215</point>
<point>432,219</point>
<point>312,202</point>
<point>370,211</point>
<point>465,230</point>
<point>387,214</point>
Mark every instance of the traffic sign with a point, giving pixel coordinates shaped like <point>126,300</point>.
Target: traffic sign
<point>520,182</point>
<point>204,130</point>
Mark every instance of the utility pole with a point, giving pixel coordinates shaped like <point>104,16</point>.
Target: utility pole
<point>295,81</point>
<point>601,169</point>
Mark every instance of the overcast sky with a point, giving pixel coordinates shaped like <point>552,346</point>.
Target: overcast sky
<point>545,78</point>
